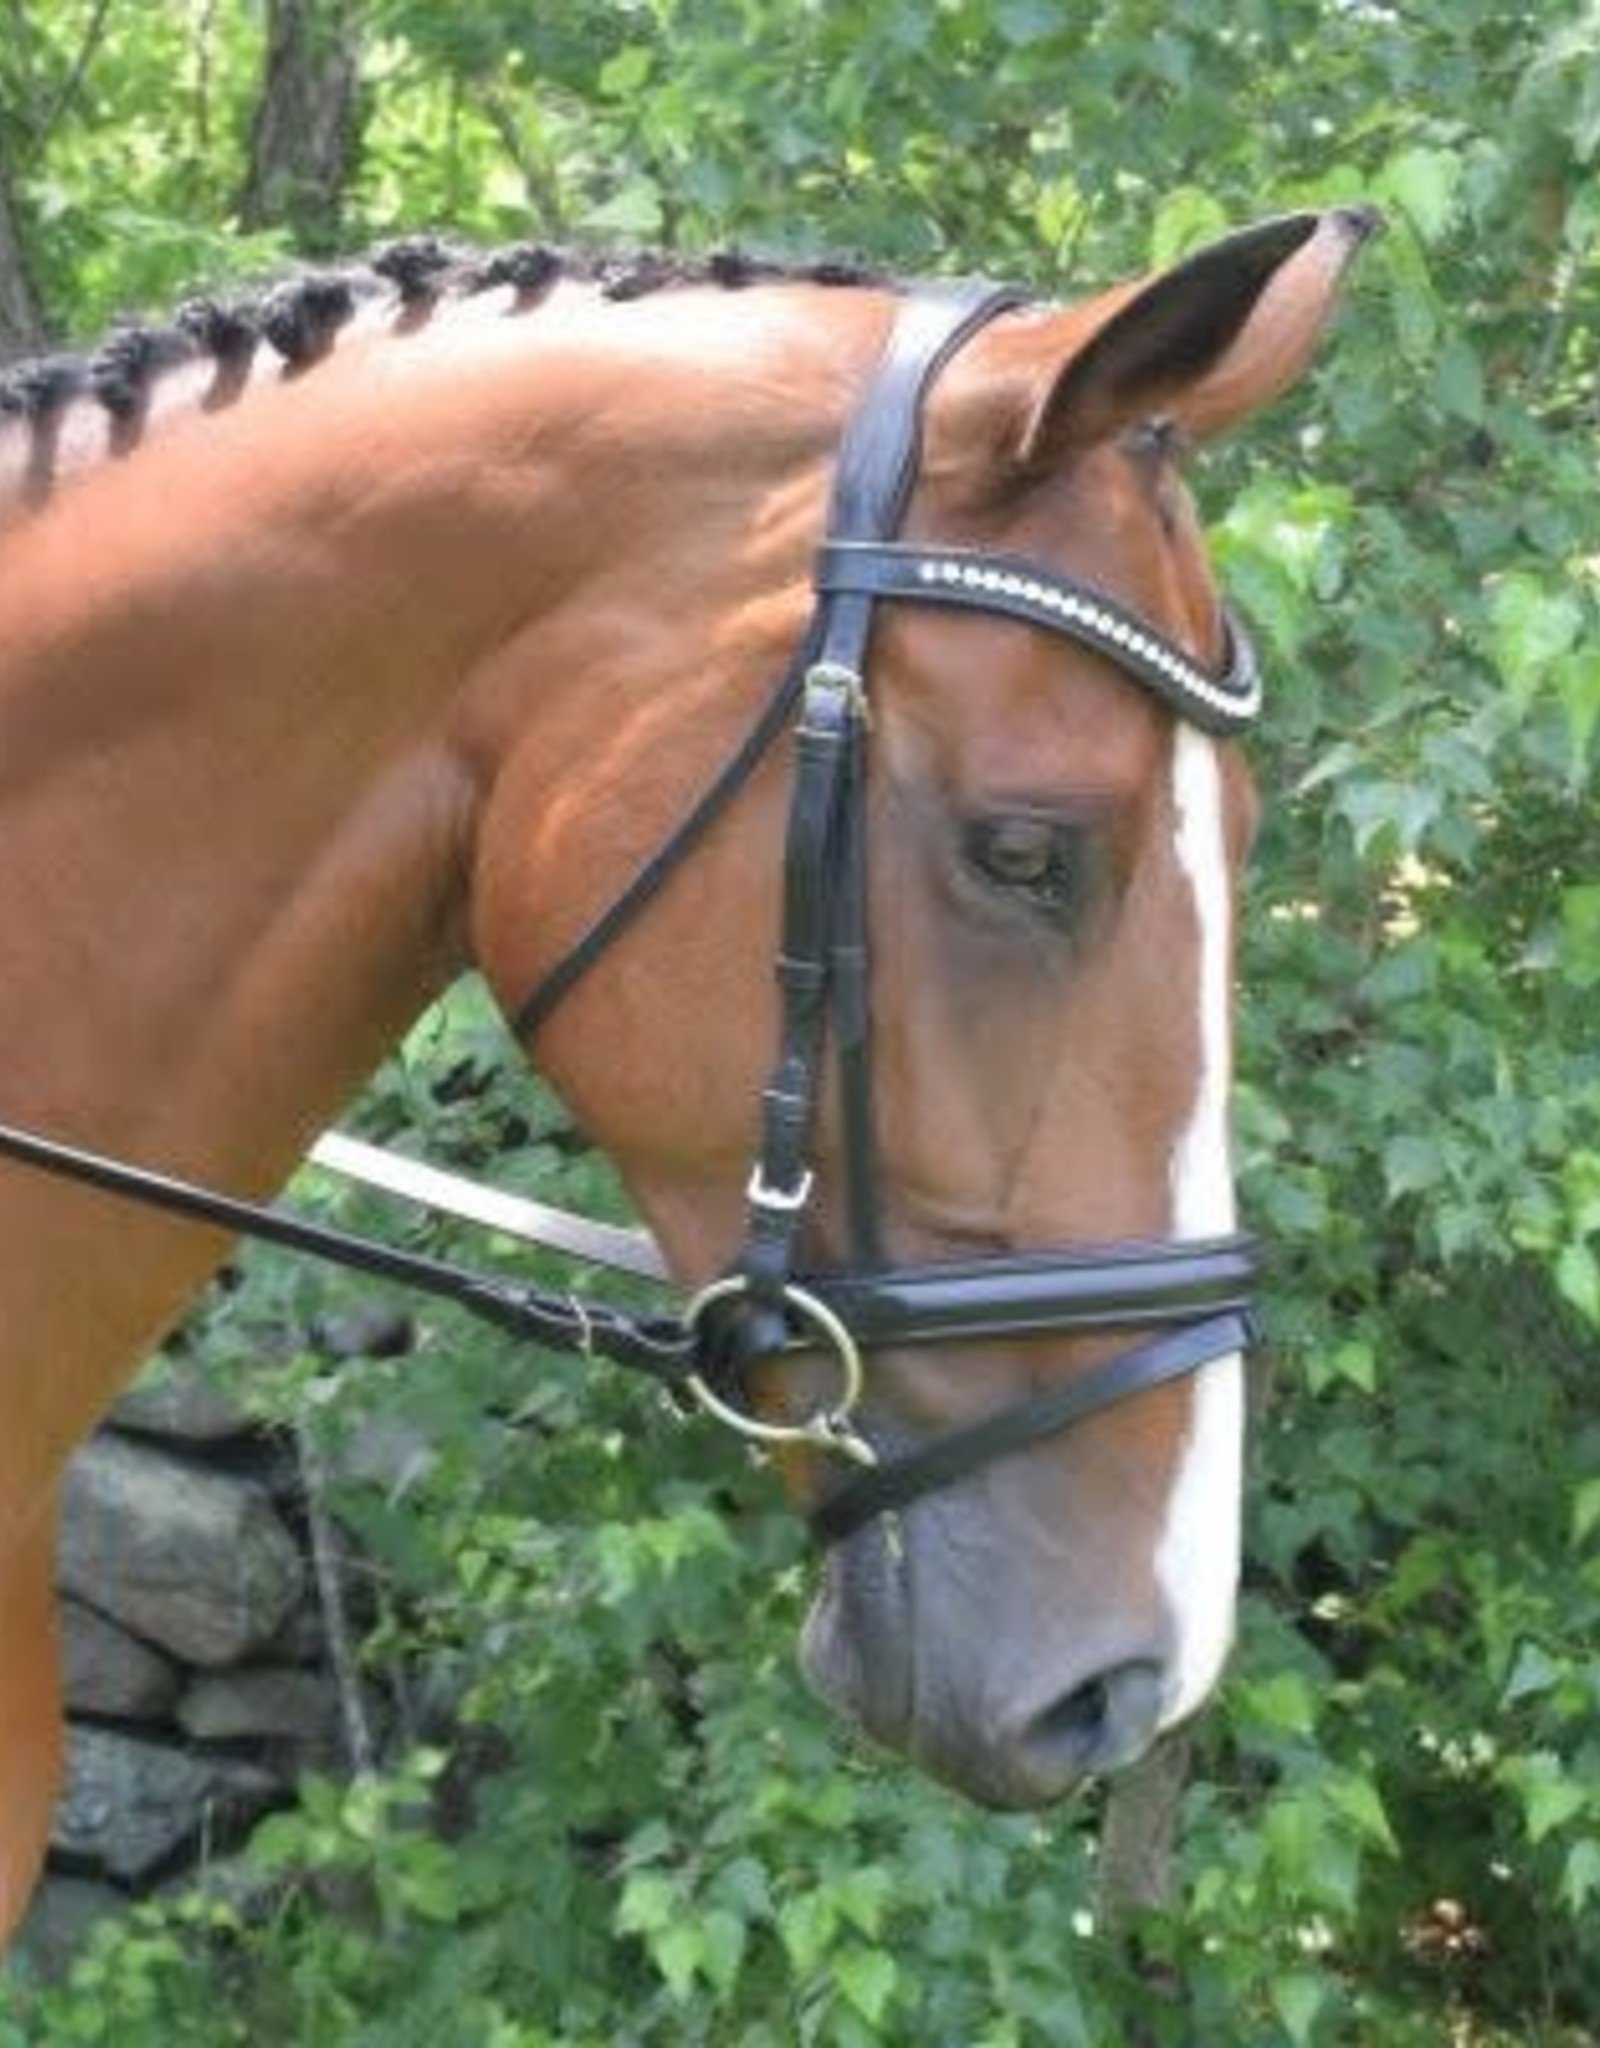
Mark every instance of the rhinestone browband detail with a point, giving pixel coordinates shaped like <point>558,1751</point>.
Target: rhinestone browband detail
<point>1224,700</point>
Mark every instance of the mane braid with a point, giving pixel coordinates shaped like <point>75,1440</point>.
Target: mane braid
<point>121,373</point>
<point>298,317</point>
<point>301,319</point>
<point>228,334</point>
<point>33,390</point>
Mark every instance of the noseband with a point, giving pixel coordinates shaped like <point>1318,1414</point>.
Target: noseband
<point>1193,1294</point>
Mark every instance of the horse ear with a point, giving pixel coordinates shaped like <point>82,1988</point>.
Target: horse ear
<point>1206,342</point>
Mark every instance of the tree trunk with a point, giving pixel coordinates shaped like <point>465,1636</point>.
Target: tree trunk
<point>306,135</point>
<point>22,323</point>
<point>1138,1839</point>
<point>1138,1834</point>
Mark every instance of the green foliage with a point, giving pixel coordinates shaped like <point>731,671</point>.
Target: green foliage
<point>613,1818</point>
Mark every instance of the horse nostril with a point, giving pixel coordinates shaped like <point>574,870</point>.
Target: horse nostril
<point>1107,1721</point>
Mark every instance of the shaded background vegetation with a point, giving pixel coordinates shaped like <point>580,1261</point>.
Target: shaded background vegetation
<point>607,1813</point>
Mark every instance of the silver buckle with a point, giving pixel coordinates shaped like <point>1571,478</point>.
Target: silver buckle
<point>847,682</point>
<point>782,1201</point>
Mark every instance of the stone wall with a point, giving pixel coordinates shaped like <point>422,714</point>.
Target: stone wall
<point>199,1675</point>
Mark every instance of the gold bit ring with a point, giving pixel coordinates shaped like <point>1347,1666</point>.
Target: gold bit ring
<point>830,1428</point>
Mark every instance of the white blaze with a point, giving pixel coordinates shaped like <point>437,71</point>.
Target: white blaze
<point>1197,1561</point>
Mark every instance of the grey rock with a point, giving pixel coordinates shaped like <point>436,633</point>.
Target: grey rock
<point>130,1804</point>
<point>198,1563</point>
<point>374,1330</point>
<point>269,1702</point>
<point>111,1673</point>
<point>64,1913</point>
<point>178,1398</point>
<point>301,1640</point>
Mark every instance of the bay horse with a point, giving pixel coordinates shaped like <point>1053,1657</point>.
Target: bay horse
<point>394,624</point>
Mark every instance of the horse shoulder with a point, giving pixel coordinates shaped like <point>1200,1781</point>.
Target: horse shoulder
<point>30,1712</point>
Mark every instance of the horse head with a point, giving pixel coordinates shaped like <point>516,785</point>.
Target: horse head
<point>1054,855</point>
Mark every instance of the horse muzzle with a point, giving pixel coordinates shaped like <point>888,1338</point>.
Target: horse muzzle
<point>913,1640</point>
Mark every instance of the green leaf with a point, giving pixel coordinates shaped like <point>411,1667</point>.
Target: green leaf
<point>867,1979</point>
<point>1534,1673</point>
<point>1533,623</point>
<point>649,1902</point>
<point>1580,1877</point>
<point>1424,183</point>
<point>1550,1795</point>
<point>1413,1162</point>
<point>723,1938</point>
<point>632,213</point>
<point>1187,217</point>
<point>1354,1360</point>
<point>1357,1797</point>
<point>1413,300</point>
<point>1458,380</point>
<point>1580,934</point>
<point>1575,679</point>
<point>1577,1275</point>
<point>1028,21</point>
<point>1282,1702</point>
<point>1299,1999</point>
<point>863,1897</point>
<point>628,71</point>
<point>806,1927</point>
<point>678,1953</point>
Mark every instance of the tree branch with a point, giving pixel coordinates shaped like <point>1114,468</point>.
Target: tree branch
<point>23,329</point>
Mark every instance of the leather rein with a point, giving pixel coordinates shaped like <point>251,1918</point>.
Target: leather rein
<point>1192,1296</point>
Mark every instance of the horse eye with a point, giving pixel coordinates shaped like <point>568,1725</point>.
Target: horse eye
<point>1030,858</point>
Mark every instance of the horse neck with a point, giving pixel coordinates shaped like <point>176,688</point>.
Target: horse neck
<point>260,680</point>
<point>225,793</point>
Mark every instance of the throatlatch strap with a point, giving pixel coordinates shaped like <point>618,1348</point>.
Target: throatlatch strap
<point>529,1016</point>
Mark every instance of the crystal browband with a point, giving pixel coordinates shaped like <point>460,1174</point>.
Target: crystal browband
<point>1221,700</point>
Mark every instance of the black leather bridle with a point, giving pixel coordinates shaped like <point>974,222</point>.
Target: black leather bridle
<point>1192,1295</point>
<point>1195,1293</point>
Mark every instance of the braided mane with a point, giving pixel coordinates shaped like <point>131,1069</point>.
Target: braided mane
<point>297,317</point>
